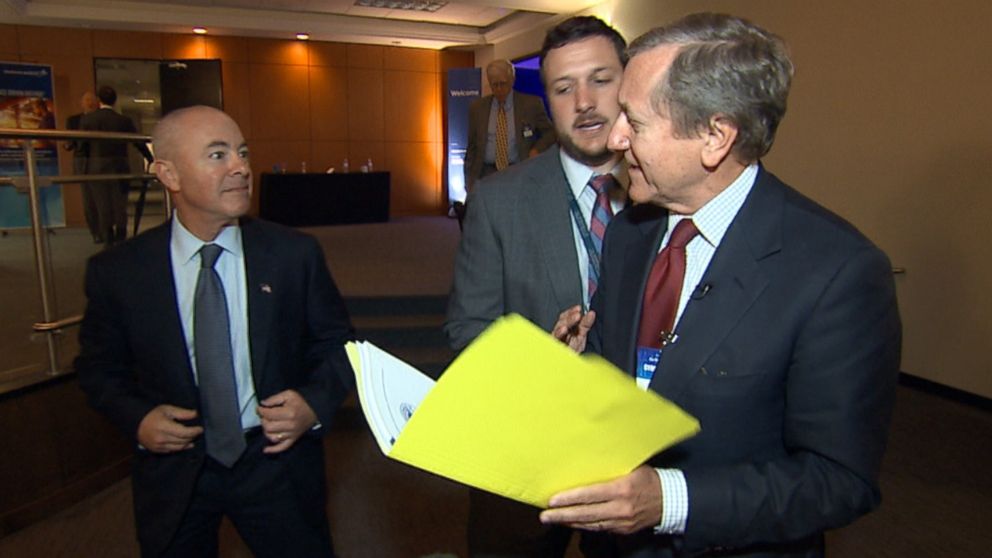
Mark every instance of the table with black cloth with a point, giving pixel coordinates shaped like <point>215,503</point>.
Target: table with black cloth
<point>311,199</point>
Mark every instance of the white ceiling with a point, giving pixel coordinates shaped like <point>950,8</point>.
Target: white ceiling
<point>459,23</point>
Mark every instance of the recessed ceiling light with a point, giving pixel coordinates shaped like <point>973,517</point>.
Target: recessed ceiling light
<point>200,30</point>
<point>303,36</point>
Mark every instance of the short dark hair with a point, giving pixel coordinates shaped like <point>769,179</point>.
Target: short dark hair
<point>107,95</point>
<point>725,66</point>
<point>579,28</point>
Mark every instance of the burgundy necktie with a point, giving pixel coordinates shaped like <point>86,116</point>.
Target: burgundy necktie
<point>661,296</point>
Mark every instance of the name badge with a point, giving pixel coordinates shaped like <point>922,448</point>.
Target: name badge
<point>528,131</point>
<point>647,363</point>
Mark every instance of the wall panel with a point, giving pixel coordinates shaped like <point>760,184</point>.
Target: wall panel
<point>366,56</point>
<point>365,102</point>
<point>410,59</point>
<point>415,178</point>
<point>175,45</point>
<point>328,54</point>
<point>237,94</point>
<point>228,49</point>
<point>126,44</point>
<point>50,40</point>
<point>280,102</point>
<point>329,103</point>
<point>8,39</point>
<point>274,51</point>
<point>411,110</point>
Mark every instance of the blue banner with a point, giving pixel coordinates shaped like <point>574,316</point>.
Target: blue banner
<point>464,86</point>
<point>27,103</point>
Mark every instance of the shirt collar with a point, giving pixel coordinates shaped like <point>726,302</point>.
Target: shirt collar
<point>578,174</point>
<point>507,103</point>
<point>186,245</point>
<point>714,218</point>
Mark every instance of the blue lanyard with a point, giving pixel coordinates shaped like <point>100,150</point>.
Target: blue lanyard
<point>580,223</point>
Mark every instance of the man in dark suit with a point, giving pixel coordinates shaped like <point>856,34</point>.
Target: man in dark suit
<point>110,157</point>
<point>525,249</point>
<point>79,149</point>
<point>786,337</point>
<point>528,130</point>
<point>279,361</point>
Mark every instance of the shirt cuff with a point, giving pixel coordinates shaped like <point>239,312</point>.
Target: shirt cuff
<point>674,502</point>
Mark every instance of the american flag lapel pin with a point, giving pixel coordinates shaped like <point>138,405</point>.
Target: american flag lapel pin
<point>266,288</point>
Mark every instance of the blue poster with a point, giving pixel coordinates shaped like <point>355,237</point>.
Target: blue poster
<point>464,86</point>
<point>27,103</point>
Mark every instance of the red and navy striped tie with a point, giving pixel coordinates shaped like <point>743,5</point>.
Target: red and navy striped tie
<point>602,212</point>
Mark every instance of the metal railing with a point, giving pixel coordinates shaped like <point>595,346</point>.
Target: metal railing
<point>31,183</point>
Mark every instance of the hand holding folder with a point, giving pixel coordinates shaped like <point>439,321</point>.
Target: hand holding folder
<point>517,413</point>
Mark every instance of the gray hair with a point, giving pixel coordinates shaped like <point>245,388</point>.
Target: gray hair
<point>501,64</point>
<point>726,66</point>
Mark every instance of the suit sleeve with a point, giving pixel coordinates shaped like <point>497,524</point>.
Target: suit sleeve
<point>328,374</point>
<point>477,294</point>
<point>838,398</point>
<point>472,148</point>
<point>105,365</point>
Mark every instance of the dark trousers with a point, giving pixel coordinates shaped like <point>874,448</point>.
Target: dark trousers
<point>110,203</point>
<point>260,500</point>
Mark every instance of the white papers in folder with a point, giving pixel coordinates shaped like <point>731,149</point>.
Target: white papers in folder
<point>389,391</point>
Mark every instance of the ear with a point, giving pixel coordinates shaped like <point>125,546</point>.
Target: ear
<point>719,138</point>
<point>167,175</point>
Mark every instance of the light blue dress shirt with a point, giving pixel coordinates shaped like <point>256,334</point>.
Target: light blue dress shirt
<point>511,131</point>
<point>185,253</point>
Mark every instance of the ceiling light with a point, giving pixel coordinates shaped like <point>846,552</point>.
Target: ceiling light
<point>200,30</point>
<point>415,5</point>
<point>303,36</point>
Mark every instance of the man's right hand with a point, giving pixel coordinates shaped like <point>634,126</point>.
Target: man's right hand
<point>572,327</point>
<point>161,432</point>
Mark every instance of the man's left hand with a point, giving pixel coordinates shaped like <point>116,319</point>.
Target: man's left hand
<point>622,506</point>
<point>285,417</point>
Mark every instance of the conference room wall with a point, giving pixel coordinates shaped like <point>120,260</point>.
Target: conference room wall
<point>888,125</point>
<point>295,101</point>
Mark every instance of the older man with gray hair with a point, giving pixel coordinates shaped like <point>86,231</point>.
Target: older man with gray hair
<point>766,316</point>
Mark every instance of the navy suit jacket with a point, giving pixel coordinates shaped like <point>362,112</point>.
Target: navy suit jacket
<point>787,353</point>
<point>133,356</point>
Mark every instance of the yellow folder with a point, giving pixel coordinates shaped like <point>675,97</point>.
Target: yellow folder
<point>521,415</point>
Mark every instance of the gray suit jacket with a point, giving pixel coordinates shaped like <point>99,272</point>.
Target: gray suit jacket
<point>517,252</point>
<point>533,129</point>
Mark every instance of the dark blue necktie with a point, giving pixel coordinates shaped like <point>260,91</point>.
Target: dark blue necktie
<point>215,364</point>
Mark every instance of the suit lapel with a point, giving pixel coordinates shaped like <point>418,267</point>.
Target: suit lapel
<point>159,287</point>
<point>553,228</point>
<point>260,272</point>
<point>639,255</point>
<point>737,280</point>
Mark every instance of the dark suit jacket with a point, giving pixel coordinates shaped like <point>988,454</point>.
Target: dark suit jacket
<point>79,148</point>
<point>533,129</point>
<point>134,357</point>
<point>109,157</point>
<point>789,362</point>
<point>517,251</point>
